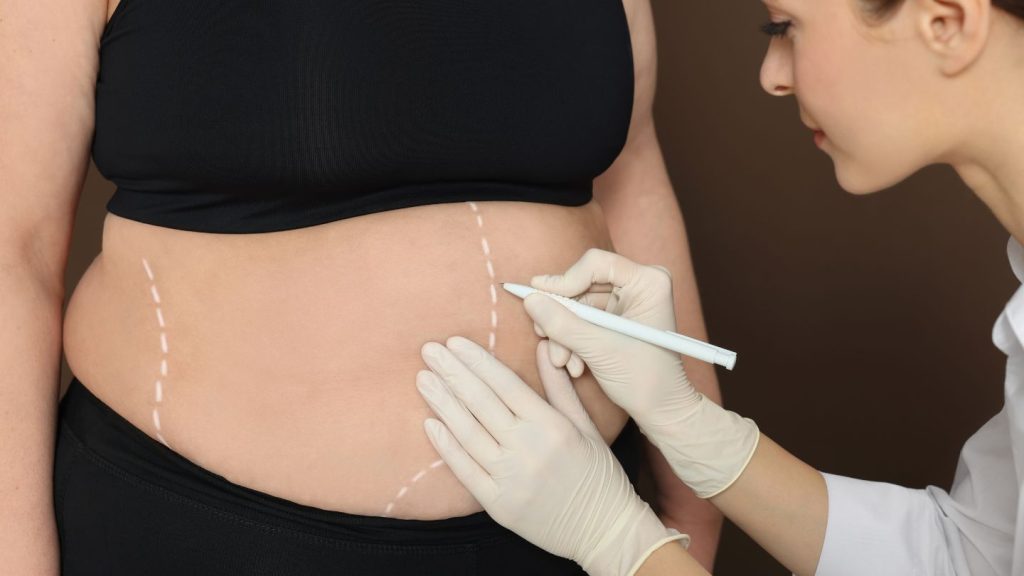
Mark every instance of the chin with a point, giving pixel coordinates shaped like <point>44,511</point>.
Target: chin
<point>862,180</point>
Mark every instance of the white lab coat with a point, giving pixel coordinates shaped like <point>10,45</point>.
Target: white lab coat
<point>977,528</point>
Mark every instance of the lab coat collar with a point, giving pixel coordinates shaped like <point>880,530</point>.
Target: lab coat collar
<point>1015,252</point>
<point>1008,332</point>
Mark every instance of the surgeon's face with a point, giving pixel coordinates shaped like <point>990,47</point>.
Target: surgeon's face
<point>866,88</point>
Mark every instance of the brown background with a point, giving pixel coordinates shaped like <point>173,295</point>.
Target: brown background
<point>863,324</point>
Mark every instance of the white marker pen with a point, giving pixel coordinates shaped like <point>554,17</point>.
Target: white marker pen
<point>664,338</point>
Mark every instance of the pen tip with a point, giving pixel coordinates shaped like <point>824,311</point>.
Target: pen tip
<point>516,289</point>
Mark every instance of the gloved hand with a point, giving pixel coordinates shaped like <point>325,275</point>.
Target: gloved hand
<point>542,470</point>
<point>707,446</point>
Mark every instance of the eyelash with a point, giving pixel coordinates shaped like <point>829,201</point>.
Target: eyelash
<point>776,29</point>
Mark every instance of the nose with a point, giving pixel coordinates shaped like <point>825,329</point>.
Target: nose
<point>777,69</point>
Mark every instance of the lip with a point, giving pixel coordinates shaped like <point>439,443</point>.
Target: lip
<point>819,135</point>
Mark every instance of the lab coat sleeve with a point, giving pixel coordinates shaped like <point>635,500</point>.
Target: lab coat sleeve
<point>883,529</point>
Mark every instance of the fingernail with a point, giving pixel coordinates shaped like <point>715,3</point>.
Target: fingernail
<point>433,428</point>
<point>458,343</point>
<point>427,349</point>
<point>432,354</point>
<point>429,387</point>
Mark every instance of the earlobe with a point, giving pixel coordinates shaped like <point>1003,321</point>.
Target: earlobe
<point>955,31</point>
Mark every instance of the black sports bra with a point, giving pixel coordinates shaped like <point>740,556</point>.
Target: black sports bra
<point>238,116</point>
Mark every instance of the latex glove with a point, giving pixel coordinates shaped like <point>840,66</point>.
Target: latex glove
<point>707,446</point>
<point>541,470</point>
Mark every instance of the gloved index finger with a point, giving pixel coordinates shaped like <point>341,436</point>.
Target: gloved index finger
<point>477,397</point>
<point>472,435</point>
<point>506,384</point>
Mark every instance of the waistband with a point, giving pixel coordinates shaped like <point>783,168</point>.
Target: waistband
<point>109,436</point>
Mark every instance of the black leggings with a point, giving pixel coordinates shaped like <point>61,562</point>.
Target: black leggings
<point>126,505</point>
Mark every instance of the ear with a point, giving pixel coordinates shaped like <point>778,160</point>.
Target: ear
<point>956,31</point>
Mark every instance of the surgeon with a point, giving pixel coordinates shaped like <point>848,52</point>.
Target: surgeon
<point>887,87</point>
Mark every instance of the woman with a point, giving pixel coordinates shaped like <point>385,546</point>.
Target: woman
<point>289,176</point>
<point>921,81</point>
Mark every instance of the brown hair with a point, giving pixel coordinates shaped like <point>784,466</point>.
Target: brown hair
<point>882,8</point>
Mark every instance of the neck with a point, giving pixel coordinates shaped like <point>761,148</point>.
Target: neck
<point>991,158</point>
<point>998,180</point>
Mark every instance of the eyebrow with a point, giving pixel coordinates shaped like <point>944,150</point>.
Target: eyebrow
<point>770,4</point>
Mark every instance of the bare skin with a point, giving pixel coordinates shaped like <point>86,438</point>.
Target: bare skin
<point>285,349</point>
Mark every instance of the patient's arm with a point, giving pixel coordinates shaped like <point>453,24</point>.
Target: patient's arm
<point>646,225</point>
